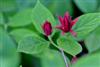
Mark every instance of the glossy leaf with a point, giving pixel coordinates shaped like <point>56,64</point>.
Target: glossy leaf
<point>69,45</point>
<point>88,61</point>
<point>92,42</point>
<point>19,34</point>
<point>22,18</point>
<point>86,24</point>
<point>32,45</point>
<point>40,15</point>
<point>87,5</point>
<point>9,57</point>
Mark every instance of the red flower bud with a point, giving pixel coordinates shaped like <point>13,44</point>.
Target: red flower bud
<point>67,23</point>
<point>74,59</point>
<point>47,28</point>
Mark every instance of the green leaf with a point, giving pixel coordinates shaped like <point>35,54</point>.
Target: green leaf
<point>1,19</point>
<point>19,34</point>
<point>9,57</point>
<point>40,15</point>
<point>87,5</point>
<point>88,61</point>
<point>86,24</point>
<point>52,58</point>
<point>22,18</point>
<point>69,45</point>
<point>92,42</point>
<point>32,45</point>
<point>7,5</point>
<point>49,58</point>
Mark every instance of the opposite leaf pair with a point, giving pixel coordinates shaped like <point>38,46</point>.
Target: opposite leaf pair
<point>66,25</point>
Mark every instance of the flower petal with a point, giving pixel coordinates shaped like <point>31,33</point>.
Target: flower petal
<point>73,33</point>
<point>59,27</point>
<point>65,23</point>
<point>66,14</point>
<point>60,19</point>
<point>63,32</point>
<point>74,21</point>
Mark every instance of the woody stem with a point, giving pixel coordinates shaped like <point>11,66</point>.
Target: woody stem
<point>61,50</point>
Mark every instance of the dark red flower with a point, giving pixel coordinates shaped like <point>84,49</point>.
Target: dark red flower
<point>66,24</point>
<point>47,28</point>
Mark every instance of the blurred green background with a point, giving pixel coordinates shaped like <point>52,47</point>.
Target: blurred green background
<point>9,57</point>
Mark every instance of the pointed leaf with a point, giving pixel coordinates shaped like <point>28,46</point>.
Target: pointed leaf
<point>22,18</point>
<point>32,45</point>
<point>19,34</point>
<point>69,45</point>
<point>40,15</point>
<point>86,24</point>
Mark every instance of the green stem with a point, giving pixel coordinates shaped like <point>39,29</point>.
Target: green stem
<point>61,50</point>
<point>52,42</point>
